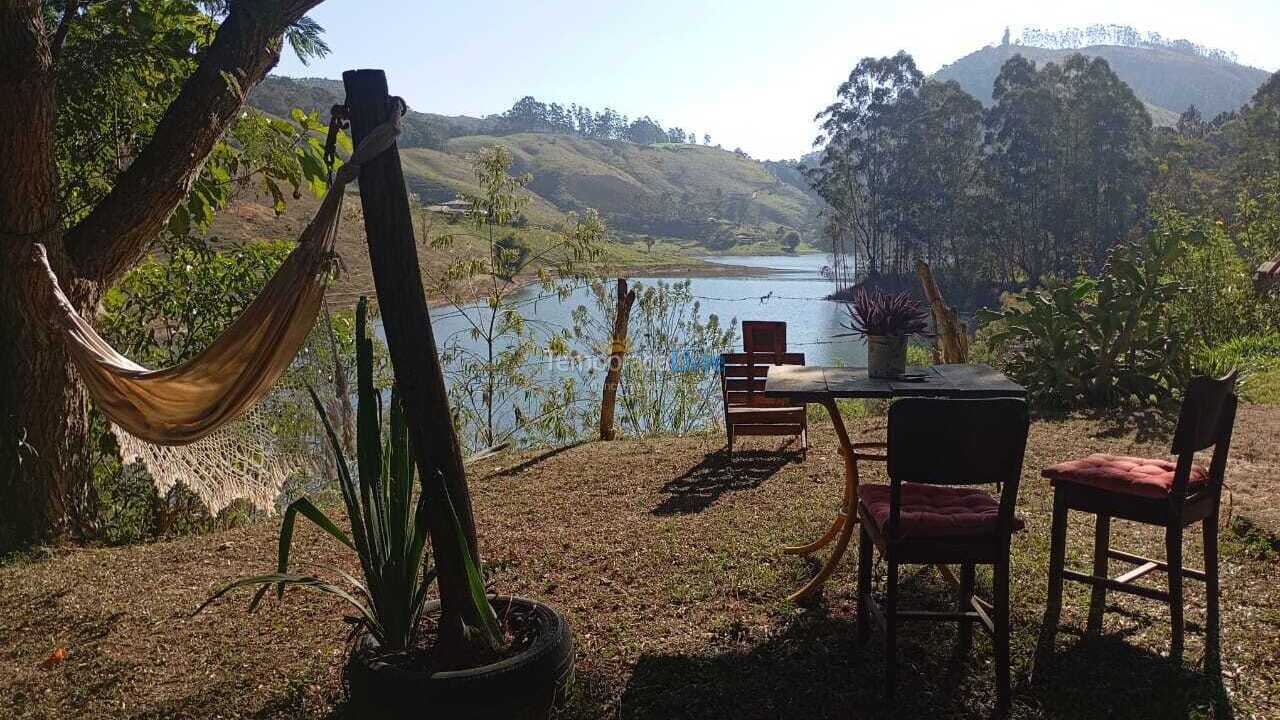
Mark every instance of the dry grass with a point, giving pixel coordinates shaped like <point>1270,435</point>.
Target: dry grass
<point>664,556</point>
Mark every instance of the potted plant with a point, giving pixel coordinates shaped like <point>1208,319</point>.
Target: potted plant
<point>396,668</point>
<point>887,321</point>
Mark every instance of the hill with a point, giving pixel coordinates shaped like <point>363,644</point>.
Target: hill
<point>1166,79</point>
<point>705,198</point>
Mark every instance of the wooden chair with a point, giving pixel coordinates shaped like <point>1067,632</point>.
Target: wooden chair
<point>922,517</point>
<point>1172,495</point>
<point>746,409</point>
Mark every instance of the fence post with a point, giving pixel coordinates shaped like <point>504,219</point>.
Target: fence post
<point>617,349</point>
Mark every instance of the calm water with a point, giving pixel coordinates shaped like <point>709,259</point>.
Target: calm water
<point>787,287</point>
<point>793,295</point>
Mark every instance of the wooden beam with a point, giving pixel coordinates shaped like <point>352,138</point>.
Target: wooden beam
<point>1136,573</point>
<point>1160,564</point>
<point>1146,592</point>
<point>393,255</point>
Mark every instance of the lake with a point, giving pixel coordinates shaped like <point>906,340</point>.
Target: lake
<point>771,287</point>
<point>785,287</point>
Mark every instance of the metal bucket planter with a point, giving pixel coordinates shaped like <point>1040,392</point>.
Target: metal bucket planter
<point>886,355</point>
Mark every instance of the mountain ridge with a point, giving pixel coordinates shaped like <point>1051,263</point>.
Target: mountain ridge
<point>706,196</point>
<point>1166,79</point>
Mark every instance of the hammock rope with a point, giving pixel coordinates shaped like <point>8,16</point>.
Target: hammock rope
<point>157,413</point>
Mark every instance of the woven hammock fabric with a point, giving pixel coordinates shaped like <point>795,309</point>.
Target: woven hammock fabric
<point>182,404</point>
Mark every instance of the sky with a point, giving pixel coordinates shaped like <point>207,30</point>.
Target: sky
<point>750,73</point>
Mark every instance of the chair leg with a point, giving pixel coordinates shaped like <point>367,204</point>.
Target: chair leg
<point>1057,558</point>
<point>1173,548</point>
<point>963,603</point>
<point>891,630</point>
<point>865,558</point>
<point>1101,543</point>
<point>730,431</point>
<point>1213,628</point>
<point>1000,583</point>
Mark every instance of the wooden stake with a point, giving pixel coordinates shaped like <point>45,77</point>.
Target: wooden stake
<point>419,378</point>
<point>953,336</point>
<point>617,350</point>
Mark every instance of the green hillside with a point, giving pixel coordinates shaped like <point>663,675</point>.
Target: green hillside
<point>1167,80</point>
<point>703,198</point>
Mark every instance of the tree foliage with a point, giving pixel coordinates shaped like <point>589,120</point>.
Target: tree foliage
<point>1042,184</point>
<point>499,393</point>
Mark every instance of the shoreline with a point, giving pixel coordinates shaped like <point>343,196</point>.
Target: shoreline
<point>693,268</point>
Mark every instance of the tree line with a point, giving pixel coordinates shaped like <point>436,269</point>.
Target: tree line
<point>528,114</point>
<point>1061,168</point>
<point>1111,34</point>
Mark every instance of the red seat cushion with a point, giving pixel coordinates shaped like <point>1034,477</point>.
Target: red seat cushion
<point>935,511</point>
<point>1144,477</point>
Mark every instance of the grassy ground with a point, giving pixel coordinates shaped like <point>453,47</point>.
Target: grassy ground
<point>664,555</point>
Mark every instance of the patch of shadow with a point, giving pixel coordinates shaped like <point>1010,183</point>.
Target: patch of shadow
<point>535,460</point>
<point>1108,676</point>
<point>699,487</point>
<point>810,667</point>
<point>1154,424</point>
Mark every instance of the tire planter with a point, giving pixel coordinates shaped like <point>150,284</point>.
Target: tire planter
<point>525,686</point>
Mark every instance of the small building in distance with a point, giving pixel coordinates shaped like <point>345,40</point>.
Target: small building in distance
<point>451,207</point>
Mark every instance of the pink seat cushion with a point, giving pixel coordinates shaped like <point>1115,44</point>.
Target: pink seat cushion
<point>935,511</point>
<point>1144,477</point>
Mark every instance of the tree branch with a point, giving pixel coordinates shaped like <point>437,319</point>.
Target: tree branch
<point>60,35</point>
<point>117,233</point>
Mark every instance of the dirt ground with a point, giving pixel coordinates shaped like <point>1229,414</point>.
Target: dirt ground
<point>664,555</point>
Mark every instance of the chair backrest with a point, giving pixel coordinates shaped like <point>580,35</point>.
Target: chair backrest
<point>957,442</point>
<point>742,377</point>
<point>760,336</point>
<point>1205,420</point>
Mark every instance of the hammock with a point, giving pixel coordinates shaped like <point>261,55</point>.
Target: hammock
<point>188,403</point>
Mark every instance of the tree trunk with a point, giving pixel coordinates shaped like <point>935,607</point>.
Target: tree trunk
<point>44,454</point>
<point>953,337</point>
<point>419,377</point>
<point>45,465</point>
<point>617,350</point>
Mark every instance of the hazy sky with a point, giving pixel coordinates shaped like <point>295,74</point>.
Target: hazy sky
<point>750,73</point>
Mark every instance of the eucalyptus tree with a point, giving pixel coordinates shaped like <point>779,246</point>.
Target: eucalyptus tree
<point>1068,159</point>
<point>858,146</point>
<point>113,126</point>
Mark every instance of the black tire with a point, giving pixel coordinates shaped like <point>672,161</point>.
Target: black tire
<point>521,687</point>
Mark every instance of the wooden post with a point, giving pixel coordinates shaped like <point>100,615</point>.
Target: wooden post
<point>953,336</point>
<point>618,348</point>
<point>411,342</point>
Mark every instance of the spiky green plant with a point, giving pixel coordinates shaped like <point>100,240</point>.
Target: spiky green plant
<point>388,527</point>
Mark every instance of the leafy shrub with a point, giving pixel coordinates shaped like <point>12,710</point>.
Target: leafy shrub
<point>1257,357</point>
<point>1099,342</point>
<point>1218,302</point>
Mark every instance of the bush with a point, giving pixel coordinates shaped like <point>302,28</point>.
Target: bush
<point>1219,303</point>
<point>1257,357</point>
<point>1091,343</point>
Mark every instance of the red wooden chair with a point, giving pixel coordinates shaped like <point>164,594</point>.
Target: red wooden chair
<point>1172,495</point>
<point>922,517</point>
<point>746,409</point>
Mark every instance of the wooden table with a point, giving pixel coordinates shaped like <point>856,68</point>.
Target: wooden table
<point>825,385</point>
